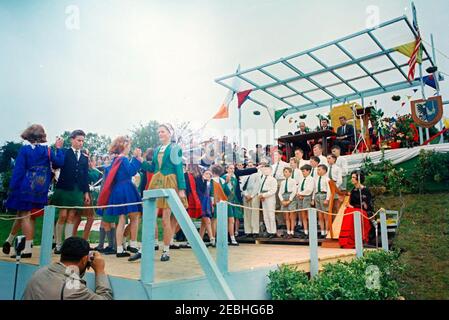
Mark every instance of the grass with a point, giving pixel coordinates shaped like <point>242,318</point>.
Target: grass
<point>422,236</point>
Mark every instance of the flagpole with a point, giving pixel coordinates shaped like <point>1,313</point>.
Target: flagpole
<point>436,77</point>
<point>415,23</point>
<point>240,127</point>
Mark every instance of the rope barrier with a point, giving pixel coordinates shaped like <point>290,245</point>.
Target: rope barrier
<point>140,203</point>
<point>301,210</point>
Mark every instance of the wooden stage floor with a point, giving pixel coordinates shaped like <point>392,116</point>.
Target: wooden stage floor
<point>183,263</point>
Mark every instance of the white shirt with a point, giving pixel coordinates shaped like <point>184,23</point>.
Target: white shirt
<point>278,170</point>
<point>78,155</point>
<point>269,188</point>
<point>309,186</point>
<point>291,187</point>
<point>297,175</point>
<point>336,174</point>
<point>343,164</point>
<point>324,187</point>
<point>314,172</point>
<point>323,160</point>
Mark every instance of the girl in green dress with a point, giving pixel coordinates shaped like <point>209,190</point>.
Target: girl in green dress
<point>234,213</point>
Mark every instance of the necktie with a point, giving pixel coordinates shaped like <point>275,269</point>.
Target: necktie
<point>303,184</point>
<point>330,173</point>
<point>313,172</point>
<point>276,171</point>
<point>77,154</point>
<point>263,184</point>
<point>319,185</point>
<point>286,186</point>
<point>344,130</point>
<point>293,175</point>
<point>245,186</point>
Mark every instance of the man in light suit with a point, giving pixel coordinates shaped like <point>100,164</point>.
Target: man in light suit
<point>250,190</point>
<point>267,195</point>
<point>345,135</point>
<point>64,280</point>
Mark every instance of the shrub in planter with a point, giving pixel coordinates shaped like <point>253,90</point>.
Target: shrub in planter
<point>369,278</point>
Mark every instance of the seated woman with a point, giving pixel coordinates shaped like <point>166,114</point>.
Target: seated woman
<point>360,200</point>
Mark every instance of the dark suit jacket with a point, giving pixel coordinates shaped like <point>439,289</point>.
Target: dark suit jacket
<point>74,173</point>
<point>239,174</point>
<point>349,132</point>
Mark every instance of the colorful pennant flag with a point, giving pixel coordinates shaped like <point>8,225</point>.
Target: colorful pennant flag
<point>278,114</point>
<point>242,97</point>
<point>430,81</point>
<point>223,112</point>
<point>408,49</point>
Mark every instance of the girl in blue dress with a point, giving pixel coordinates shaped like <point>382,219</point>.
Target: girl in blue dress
<point>30,182</point>
<point>122,191</point>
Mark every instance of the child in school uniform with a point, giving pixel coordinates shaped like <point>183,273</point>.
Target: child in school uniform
<point>72,188</point>
<point>321,197</point>
<point>204,189</point>
<point>296,172</point>
<point>314,162</point>
<point>250,190</point>
<point>30,182</point>
<point>234,213</point>
<point>287,193</point>
<point>305,192</point>
<point>219,192</point>
<point>267,195</point>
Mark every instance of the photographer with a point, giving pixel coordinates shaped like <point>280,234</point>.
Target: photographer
<point>63,280</point>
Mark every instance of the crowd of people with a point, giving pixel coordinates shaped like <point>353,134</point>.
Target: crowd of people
<point>268,195</point>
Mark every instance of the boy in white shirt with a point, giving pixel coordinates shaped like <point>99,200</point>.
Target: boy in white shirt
<point>318,152</point>
<point>321,197</point>
<point>314,162</point>
<point>267,195</point>
<point>296,173</point>
<point>287,193</point>
<point>304,195</point>
<point>250,190</point>
<point>278,173</point>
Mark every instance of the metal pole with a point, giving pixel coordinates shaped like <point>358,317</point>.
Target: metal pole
<point>47,235</point>
<point>222,237</point>
<point>148,233</point>
<point>384,230</point>
<point>358,234</point>
<point>436,76</point>
<point>313,243</point>
<point>240,127</point>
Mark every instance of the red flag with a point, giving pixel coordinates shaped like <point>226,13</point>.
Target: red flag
<point>242,97</point>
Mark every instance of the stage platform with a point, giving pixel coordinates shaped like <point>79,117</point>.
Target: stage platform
<point>184,265</point>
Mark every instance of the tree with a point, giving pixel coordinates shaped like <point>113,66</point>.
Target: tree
<point>95,143</point>
<point>8,152</point>
<point>145,136</point>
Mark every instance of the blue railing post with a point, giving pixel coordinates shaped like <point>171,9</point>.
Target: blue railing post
<point>47,235</point>
<point>358,234</point>
<point>222,237</point>
<point>313,243</point>
<point>148,233</point>
<point>384,230</point>
<point>211,270</point>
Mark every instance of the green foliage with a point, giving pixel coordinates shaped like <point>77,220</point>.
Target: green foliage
<point>369,278</point>
<point>8,151</point>
<point>95,143</point>
<point>146,136</point>
<point>432,166</point>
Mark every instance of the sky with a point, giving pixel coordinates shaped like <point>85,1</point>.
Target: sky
<point>107,66</point>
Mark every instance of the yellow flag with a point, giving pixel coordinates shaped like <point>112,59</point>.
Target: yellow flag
<point>407,50</point>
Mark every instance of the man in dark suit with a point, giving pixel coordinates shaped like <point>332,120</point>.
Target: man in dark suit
<point>345,135</point>
<point>72,188</point>
<point>304,145</point>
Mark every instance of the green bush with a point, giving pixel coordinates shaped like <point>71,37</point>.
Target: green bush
<point>369,278</point>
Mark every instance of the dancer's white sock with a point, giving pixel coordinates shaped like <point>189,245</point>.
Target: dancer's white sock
<point>58,233</point>
<point>28,244</point>
<point>68,230</point>
<point>166,248</point>
<point>10,238</point>
<point>120,249</point>
<point>134,244</point>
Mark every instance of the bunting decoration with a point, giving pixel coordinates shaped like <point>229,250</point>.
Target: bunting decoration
<point>223,112</point>
<point>408,49</point>
<point>430,81</point>
<point>242,97</point>
<point>278,114</point>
